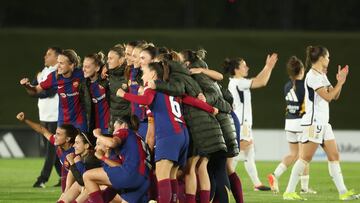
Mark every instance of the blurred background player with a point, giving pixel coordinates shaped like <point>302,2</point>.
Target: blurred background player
<point>48,102</point>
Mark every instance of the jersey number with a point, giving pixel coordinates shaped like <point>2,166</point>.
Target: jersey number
<point>175,107</point>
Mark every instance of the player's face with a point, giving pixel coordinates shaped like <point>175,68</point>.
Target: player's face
<point>148,74</point>
<point>243,69</point>
<point>60,137</point>
<point>325,62</point>
<point>99,146</point>
<point>128,54</point>
<point>89,68</point>
<point>50,58</point>
<point>79,145</point>
<point>113,60</point>
<point>64,65</point>
<point>135,57</point>
<point>145,59</point>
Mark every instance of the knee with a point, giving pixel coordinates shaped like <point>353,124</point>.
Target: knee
<point>334,157</point>
<point>306,157</point>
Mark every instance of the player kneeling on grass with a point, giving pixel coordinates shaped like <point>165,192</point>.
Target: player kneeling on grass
<point>130,177</point>
<point>63,140</point>
<point>82,160</point>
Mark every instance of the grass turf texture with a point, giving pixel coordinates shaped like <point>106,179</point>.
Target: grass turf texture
<point>18,175</point>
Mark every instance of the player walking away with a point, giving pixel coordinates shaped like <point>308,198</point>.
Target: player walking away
<point>63,140</point>
<point>67,81</point>
<point>239,87</point>
<point>48,103</point>
<point>294,93</point>
<point>316,128</point>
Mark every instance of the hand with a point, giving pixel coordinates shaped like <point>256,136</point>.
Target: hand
<point>120,92</point>
<point>216,111</point>
<point>77,159</point>
<point>196,70</point>
<point>141,90</point>
<point>104,71</point>
<point>97,132</point>
<point>342,74</point>
<point>25,81</point>
<point>151,84</point>
<point>99,153</point>
<point>271,60</point>
<point>202,97</point>
<point>21,116</point>
<point>70,158</point>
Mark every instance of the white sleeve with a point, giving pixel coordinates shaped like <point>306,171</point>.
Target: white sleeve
<point>244,83</point>
<point>315,82</point>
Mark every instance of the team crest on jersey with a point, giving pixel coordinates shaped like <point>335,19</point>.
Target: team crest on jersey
<point>75,83</point>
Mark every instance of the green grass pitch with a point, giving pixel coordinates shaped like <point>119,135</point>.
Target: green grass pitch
<point>18,175</point>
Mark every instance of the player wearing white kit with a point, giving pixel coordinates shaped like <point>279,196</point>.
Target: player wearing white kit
<point>239,86</point>
<point>294,93</point>
<point>316,128</point>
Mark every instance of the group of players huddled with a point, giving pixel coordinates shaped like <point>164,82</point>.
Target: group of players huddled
<point>151,124</point>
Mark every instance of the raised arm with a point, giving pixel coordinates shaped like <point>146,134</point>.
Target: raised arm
<point>35,126</point>
<point>263,77</point>
<point>333,93</point>
<point>31,90</point>
<point>110,142</point>
<point>211,73</point>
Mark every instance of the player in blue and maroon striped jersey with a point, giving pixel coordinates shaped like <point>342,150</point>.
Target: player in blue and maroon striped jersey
<point>171,135</point>
<point>63,140</point>
<point>66,80</point>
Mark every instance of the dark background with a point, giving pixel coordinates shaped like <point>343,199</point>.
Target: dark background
<point>249,29</point>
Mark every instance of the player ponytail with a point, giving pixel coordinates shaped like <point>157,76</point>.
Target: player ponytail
<point>162,70</point>
<point>72,57</point>
<point>294,67</point>
<point>313,53</point>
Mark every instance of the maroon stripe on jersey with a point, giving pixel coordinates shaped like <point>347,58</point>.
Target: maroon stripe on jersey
<point>142,166</point>
<point>64,102</point>
<point>77,105</point>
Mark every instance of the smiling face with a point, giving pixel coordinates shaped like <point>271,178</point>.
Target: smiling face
<point>135,57</point>
<point>145,59</point>
<point>128,54</point>
<point>65,66</point>
<point>148,74</point>
<point>114,60</point>
<point>80,146</point>
<point>89,68</point>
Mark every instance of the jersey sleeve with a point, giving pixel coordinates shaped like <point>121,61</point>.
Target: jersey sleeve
<point>52,139</point>
<point>192,101</point>
<point>49,82</point>
<point>315,82</point>
<point>244,83</point>
<point>122,134</point>
<point>145,99</point>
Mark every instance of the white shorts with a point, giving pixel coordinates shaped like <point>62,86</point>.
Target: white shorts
<point>293,137</point>
<point>317,133</point>
<point>246,133</point>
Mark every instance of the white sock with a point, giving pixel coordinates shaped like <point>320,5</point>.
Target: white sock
<point>250,166</point>
<point>304,180</point>
<point>280,169</point>
<point>296,171</point>
<point>337,177</point>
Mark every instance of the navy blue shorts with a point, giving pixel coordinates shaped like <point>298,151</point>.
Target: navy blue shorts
<point>143,129</point>
<point>172,147</point>
<point>237,126</point>
<point>122,177</point>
